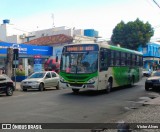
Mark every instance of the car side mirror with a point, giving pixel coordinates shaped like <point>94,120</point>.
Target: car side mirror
<point>46,77</point>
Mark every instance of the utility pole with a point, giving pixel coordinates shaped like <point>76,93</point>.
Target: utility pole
<point>9,62</point>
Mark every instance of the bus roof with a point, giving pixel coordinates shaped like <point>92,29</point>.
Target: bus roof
<point>106,45</point>
<point>120,48</point>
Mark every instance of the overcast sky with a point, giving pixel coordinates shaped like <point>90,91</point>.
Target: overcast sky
<point>101,15</point>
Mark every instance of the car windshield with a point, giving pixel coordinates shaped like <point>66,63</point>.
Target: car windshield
<point>2,78</point>
<point>156,74</point>
<point>37,75</point>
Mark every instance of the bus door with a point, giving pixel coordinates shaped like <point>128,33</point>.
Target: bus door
<point>103,69</point>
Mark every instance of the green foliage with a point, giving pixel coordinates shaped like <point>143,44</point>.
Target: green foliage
<point>20,73</point>
<point>132,34</point>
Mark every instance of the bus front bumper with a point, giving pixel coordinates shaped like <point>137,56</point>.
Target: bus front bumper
<point>78,86</point>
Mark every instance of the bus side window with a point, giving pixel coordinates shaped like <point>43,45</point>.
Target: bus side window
<point>112,58</point>
<point>128,59</point>
<point>123,59</point>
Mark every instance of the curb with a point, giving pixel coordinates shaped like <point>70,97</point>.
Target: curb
<point>18,89</point>
<point>155,101</point>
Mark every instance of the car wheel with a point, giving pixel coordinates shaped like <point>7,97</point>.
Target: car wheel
<point>41,87</point>
<point>24,90</point>
<point>75,90</point>
<point>9,91</point>
<point>146,88</point>
<point>109,87</point>
<point>57,87</point>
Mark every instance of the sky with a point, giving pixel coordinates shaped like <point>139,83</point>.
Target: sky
<point>101,15</point>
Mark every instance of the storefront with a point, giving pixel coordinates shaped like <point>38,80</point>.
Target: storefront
<point>27,55</point>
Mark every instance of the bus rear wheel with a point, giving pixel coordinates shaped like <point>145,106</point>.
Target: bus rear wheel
<point>132,81</point>
<point>75,90</point>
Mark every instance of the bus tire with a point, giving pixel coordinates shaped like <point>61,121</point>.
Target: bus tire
<point>132,81</point>
<point>109,86</point>
<point>75,90</point>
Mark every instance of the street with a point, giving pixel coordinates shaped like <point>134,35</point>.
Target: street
<point>62,106</point>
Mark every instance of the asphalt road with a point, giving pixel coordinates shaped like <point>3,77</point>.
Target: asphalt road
<point>62,106</point>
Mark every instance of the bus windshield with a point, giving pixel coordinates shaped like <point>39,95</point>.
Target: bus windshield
<point>79,62</point>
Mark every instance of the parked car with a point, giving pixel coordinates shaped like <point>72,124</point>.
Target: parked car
<point>146,73</point>
<point>153,81</point>
<point>6,85</point>
<point>41,81</point>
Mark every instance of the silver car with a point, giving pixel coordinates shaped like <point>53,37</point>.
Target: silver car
<point>41,80</point>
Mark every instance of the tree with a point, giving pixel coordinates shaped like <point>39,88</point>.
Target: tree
<point>132,34</point>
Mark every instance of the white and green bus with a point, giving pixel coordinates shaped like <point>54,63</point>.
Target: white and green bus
<point>99,66</point>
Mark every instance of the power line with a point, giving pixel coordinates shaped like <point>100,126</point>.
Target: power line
<point>156,3</point>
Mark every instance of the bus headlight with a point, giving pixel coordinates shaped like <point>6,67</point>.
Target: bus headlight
<point>92,80</point>
<point>61,79</point>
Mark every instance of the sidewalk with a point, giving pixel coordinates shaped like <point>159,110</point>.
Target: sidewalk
<point>18,87</point>
<point>148,113</point>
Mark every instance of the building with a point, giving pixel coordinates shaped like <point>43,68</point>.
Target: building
<point>58,41</point>
<point>55,37</point>
<point>12,34</point>
<point>91,33</point>
<point>151,55</point>
<point>27,54</point>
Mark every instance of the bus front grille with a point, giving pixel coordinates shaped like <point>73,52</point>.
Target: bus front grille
<point>75,84</point>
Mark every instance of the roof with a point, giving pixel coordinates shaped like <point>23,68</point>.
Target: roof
<point>154,43</point>
<point>50,40</point>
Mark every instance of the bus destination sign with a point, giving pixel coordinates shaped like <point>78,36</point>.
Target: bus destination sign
<point>81,48</point>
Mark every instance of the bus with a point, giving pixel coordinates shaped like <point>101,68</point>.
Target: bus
<point>99,66</point>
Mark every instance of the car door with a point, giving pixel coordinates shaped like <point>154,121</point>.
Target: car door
<point>55,78</point>
<point>48,80</point>
<point>3,83</point>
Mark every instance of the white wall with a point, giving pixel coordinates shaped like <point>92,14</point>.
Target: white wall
<point>56,31</point>
<point>10,33</point>
<point>3,32</point>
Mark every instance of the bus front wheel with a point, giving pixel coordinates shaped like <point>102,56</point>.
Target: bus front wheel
<point>109,87</point>
<point>75,90</point>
